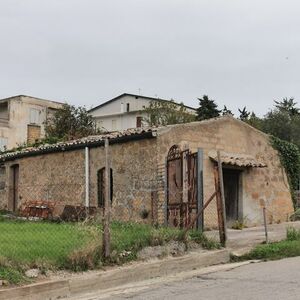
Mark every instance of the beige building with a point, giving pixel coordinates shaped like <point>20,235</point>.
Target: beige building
<point>22,119</point>
<point>159,175</point>
<point>124,112</point>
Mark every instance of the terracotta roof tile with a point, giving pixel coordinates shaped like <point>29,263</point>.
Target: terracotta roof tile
<point>235,159</point>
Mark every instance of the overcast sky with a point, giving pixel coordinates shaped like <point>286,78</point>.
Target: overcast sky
<point>239,52</point>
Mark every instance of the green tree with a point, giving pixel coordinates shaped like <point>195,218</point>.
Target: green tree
<point>70,122</point>
<point>207,109</point>
<point>255,121</point>
<point>161,113</point>
<point>244,114</point>
<point>226,111</point>
<point>288,106</point>
<point>278,124</point>
<point>283,121</point>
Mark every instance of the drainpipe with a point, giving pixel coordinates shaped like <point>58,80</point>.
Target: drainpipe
<point>87,177</point>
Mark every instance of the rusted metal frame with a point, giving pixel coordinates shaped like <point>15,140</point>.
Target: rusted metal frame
<point>200,220</point>
<point>181,221</point>
<point>166,211</point>
<point>200,212</point>
<point>192,185</point>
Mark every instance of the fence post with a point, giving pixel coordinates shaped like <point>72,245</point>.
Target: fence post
<point>106,219</point>
<point>222,199</point>
<point>265,225</point>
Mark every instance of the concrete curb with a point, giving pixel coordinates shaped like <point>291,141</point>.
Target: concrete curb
<point>103,280</point>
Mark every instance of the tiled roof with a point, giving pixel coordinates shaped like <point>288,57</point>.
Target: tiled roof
<point>240,160</point>
<point>91,141</point>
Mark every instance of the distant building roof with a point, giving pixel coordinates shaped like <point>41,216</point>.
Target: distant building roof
<point>137,96</point>
<point>17,96</point>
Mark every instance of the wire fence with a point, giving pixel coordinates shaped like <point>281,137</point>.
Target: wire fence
<point>51,222</point>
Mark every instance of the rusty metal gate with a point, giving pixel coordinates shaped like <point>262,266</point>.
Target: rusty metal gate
<point>181,187</point>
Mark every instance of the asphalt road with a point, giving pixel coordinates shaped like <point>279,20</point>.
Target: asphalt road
<point>265,280</point>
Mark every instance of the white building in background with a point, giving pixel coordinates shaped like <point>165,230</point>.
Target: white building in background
<point>124,111</point>
<point>23,118</point>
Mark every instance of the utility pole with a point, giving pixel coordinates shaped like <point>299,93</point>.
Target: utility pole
<point>107,204</point>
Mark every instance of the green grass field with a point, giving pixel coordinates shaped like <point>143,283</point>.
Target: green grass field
<point>77,246</point>
<point>30,242</point>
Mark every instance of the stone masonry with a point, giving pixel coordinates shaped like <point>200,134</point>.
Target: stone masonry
<point>139,177</point>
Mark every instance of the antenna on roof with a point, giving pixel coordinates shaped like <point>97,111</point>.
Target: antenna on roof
<point>139,92</point>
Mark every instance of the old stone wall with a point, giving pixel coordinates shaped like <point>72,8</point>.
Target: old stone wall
<point>139,180</point>
<point>134,179</point>
<point>55,177</point>
<point>60,177</point>
<point>259,186</point>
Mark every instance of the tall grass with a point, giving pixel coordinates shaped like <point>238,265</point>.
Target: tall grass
<point>78,246</point>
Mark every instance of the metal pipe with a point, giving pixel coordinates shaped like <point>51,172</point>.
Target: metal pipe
<point>87,177</point>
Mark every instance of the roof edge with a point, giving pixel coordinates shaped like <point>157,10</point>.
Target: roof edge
<point>134,95</point>
<point>54,148</point>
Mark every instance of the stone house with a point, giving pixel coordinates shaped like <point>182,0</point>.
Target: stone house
<point>22,119</point>
<point>158,175</point>
<point>124,112</point>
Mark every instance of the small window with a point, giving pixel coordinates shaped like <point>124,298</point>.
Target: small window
<point>138,122</point>
<point>3,143</point>
<point>128,107</point>
<point>101,186</point>
<point>35,116</point>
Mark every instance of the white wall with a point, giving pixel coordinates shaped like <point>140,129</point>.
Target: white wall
<point>114,117</point>
<point>121,121</point>
<point>19,117</point>
<point>115,107</point>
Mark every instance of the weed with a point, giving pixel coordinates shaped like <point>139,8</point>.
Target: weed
<point>292,234</point>
<point>200,238</point>
<point>287,248</point>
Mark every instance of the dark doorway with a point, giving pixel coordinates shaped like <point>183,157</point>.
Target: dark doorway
<point>231,180</point>
<point>101,186</point>
<point>14,187</point>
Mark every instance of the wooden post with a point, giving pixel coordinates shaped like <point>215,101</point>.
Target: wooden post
<point>222,199</point>
<point>265,224</point>
<point>106,219</point>
<point>221,223</point>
